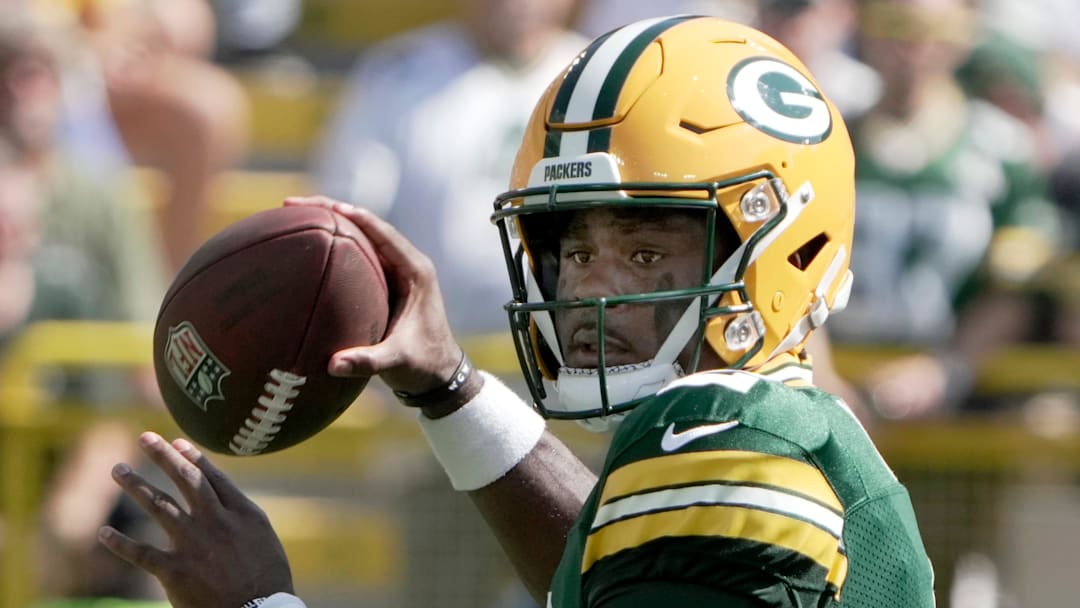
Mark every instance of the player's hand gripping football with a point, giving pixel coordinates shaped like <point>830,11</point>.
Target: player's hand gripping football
<point>223,551</point>
<point>418,352</point>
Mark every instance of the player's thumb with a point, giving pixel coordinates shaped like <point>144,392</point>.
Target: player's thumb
<point>362,361</point>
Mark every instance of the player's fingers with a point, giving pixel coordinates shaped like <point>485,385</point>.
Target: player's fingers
<point>408,263</point>
<point>155,501</point>
<point>394,249</point>
<point>144,556</point>
<point>312,200</point>
<point>228,494</point>
<point>189,479</point>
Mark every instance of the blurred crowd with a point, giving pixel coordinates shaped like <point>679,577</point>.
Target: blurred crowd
<point>117,118</point>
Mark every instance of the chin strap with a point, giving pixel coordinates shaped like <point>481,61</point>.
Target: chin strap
<point>579,388</point>
<point>819,308</point>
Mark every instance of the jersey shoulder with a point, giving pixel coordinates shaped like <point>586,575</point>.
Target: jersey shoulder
<point>767,416</point>
<point>752,401</point>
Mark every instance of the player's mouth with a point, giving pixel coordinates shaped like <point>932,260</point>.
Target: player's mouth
<point>583,349</point>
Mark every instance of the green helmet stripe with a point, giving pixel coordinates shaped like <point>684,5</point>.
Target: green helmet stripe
<point>600,139</point>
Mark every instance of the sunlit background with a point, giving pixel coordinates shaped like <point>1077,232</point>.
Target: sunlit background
<point>131,130</point>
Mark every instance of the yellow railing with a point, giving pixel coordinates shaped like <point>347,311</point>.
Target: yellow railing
<point>322,536</point>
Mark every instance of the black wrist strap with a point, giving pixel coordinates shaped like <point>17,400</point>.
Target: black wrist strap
<point>458,390</point>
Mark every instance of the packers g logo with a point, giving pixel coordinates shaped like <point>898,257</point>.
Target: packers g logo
<point>777,99</point>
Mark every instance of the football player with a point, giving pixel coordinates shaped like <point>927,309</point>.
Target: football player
<point>680,222</point>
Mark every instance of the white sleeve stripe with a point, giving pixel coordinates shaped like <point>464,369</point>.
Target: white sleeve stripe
<point>773,501</point>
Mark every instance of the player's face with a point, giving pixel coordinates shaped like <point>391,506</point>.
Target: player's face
<point>604,252</point>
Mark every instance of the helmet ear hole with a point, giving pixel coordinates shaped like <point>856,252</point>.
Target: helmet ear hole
<point>804,256</point>
<point>727,240</point>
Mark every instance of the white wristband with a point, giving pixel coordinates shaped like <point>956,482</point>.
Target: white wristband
<point>486,437</point>
<point>278,600</point>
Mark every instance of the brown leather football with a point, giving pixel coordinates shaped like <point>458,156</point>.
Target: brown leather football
<point>247,328</point>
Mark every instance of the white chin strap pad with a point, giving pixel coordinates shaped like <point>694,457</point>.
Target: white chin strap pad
<point>579,389</point>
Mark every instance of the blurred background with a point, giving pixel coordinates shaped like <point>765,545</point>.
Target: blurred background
<point>131,130</point>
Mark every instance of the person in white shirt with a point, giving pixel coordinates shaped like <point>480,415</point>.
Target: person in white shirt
<point>426,132</point>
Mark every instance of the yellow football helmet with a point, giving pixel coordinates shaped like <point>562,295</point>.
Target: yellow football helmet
<point>686,112</point>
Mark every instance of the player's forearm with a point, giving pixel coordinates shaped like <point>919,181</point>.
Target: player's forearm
<point>525,482</point>
<point>532,508</point>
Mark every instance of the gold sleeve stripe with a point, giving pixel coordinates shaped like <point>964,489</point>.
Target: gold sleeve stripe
<point>765,499</point>
<point>838,571</point>
<point>730,466</point>
<point>720,521</point>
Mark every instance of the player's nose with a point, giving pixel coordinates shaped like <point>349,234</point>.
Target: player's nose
<point>604,277</point>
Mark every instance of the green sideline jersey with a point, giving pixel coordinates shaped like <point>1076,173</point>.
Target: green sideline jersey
<point>736,489</point>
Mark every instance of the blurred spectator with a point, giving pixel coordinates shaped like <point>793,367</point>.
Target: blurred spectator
<point>953,214</point>
<point>427,129</point>
<point>1003,72</point>
<point>175,110</point>
<point>18,239</point>
<point>1009,72</point>
<point>1062,279</point>
<point>1047,28</point>
<point>72,246</point>
<point>1052,307</point>
<point>79,216</point>
<point>954,224</point>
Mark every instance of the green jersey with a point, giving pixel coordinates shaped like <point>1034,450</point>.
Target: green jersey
<point>744,489</point>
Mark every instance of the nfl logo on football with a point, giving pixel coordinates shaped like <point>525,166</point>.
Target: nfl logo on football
<point>194,367</point>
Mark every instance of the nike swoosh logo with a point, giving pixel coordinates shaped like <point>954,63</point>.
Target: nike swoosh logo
<point>673,441</point>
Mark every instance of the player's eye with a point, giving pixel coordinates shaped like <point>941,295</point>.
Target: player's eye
<point>579,256</point>
<point>644,256</point>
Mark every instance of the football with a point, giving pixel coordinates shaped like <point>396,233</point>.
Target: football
<point>246,330</point>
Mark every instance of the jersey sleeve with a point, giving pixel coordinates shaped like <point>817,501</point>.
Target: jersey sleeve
<point>890,568</point>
